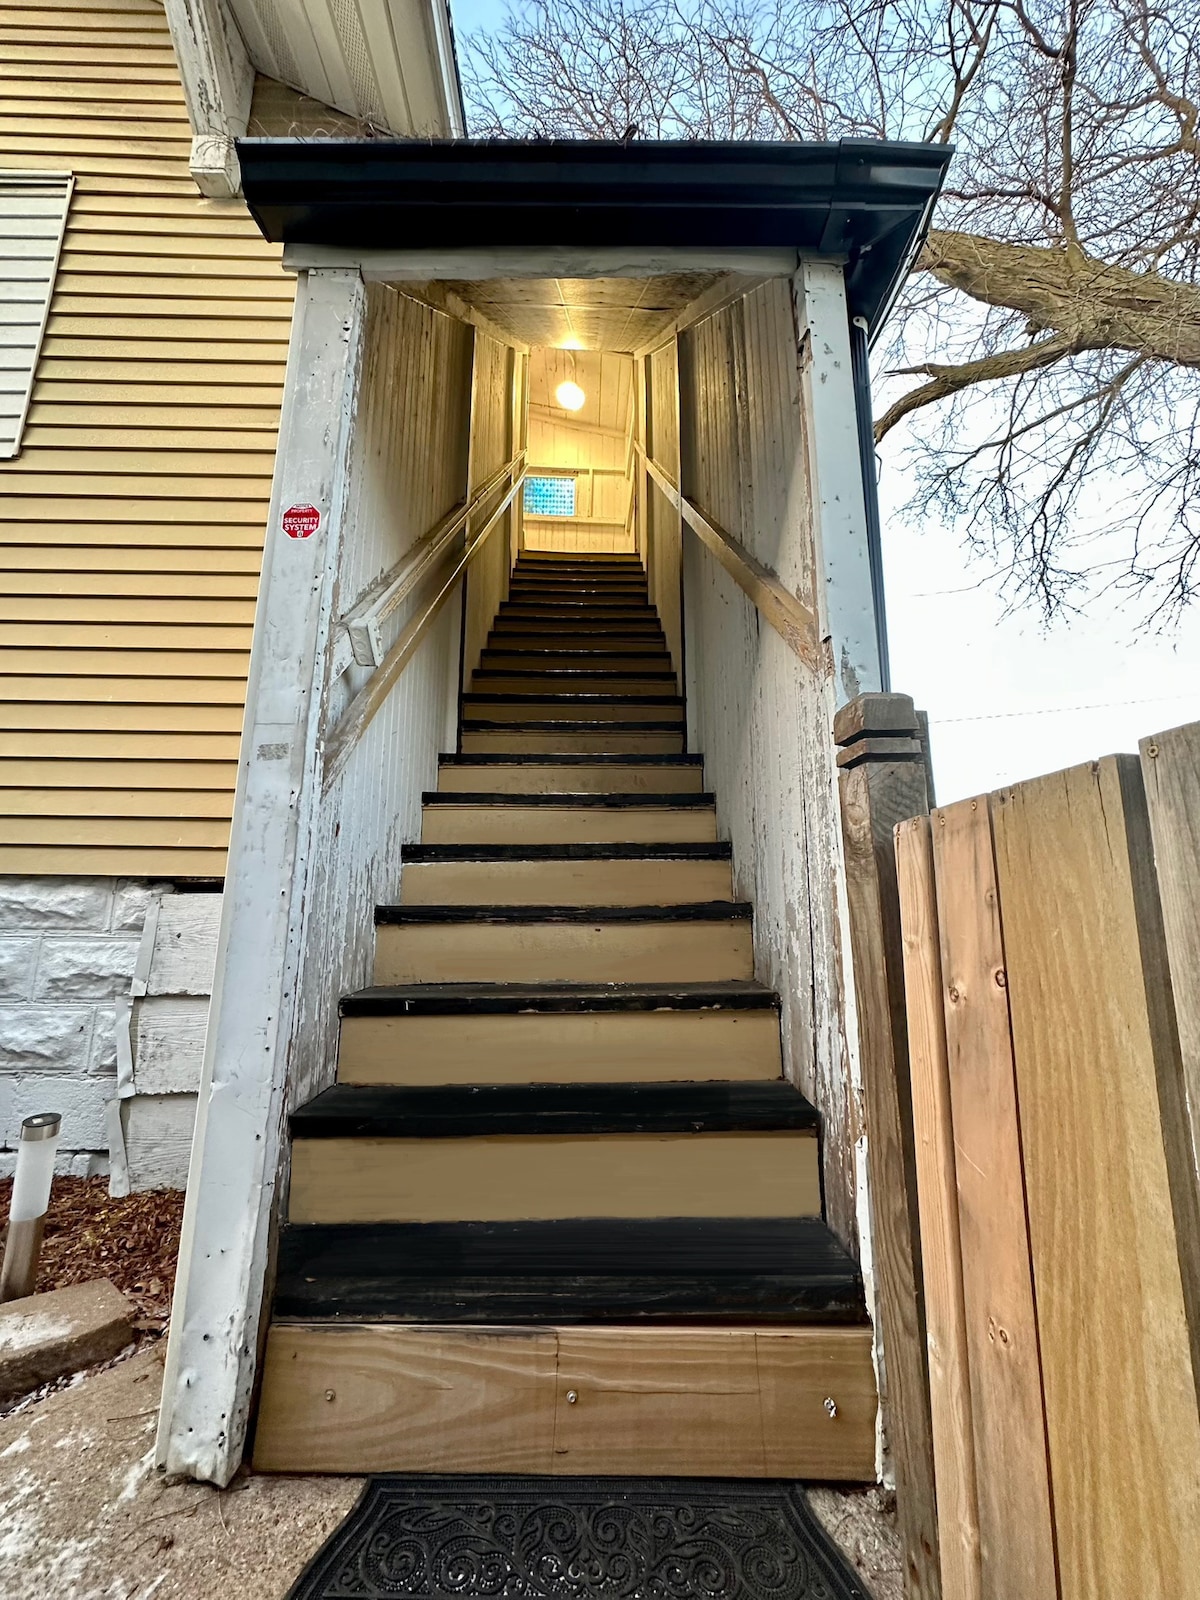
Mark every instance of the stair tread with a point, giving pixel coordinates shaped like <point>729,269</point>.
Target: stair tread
<point>690,911</point>
<point>569,1271</point>
<point>417,853</point>
<point>446,1111</point>
<point>446,999</point>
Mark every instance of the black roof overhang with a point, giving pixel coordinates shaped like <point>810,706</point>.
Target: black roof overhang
<point>867,201</point>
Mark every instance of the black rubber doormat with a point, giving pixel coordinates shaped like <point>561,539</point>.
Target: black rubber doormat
<point>525,1538</point>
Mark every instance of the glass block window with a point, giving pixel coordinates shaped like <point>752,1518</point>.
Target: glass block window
<point>550,497</point>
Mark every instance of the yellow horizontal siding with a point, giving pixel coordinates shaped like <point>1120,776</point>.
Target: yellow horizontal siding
<point>132,522</point>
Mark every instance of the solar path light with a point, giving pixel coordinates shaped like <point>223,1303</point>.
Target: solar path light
<point>30,1202</point>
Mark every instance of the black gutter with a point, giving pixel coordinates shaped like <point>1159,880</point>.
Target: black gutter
<point>863,201</point>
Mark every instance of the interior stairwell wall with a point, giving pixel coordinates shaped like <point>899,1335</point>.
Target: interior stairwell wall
<point>493,442</point>
<point>663,545</point>
<point>407,469</point>
<point>760,716</point>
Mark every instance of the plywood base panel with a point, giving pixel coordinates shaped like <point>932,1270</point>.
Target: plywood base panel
<point>564,952</point>
<point>687,1403</point>
<point>614,1047</point>
<point>519,1178</point>
<point>564,883</point>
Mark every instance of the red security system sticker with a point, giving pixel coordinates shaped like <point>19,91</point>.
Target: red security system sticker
<point>301,522</point>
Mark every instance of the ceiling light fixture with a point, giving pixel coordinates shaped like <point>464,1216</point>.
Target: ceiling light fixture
<point>570,396</point>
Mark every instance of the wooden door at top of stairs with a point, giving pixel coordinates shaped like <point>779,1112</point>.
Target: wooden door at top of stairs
<point>560,1212</point>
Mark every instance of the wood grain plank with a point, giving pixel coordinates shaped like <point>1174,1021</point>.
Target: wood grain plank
<point>387,1399</point>
<point>515,1179</point>
<point>1171,775</point>
<point>1094,1037</point>
<point>874,798</point>
<point>937,1197</point>
<point>1015,1528</point>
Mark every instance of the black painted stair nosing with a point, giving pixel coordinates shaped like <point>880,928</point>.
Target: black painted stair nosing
<point>555,999</point>
<point>477,1111</point>
<point>537,758</point>
<point>425,853</point>
<point>392,916</point>
<point>650,799</point>
<point>773,1270</point>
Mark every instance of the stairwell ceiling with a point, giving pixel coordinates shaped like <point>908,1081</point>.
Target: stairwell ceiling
<point>618,314</point>
<point>387,62</point>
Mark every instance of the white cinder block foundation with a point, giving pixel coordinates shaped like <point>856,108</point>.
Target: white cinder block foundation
<point>76,956</point>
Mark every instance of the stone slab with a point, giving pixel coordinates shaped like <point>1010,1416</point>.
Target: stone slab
<point>47,1336</point>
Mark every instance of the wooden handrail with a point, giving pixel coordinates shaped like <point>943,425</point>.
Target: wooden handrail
<point>793,621</point>
<point>378,686</point>
<point>363,623</point>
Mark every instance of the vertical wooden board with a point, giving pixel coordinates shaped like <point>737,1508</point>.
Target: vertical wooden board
<point>395,1399</point>
<point>1079,922</point>
<point>937,1199</point>
<point>1015,1529</point>
<point>655,1398</point>
<point>874,798</point>
<point>1171,775</point>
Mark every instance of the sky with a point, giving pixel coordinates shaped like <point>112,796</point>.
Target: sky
<point>1008,697</point>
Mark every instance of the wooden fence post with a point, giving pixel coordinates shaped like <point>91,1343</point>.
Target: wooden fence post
<point>882,782</point>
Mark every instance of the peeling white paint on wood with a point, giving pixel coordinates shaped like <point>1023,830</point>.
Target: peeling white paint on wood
<point>760,714</point>
<point>224,1247</point>
<point>218,83</point>
<point>382,454</point>
<point>846,602</point>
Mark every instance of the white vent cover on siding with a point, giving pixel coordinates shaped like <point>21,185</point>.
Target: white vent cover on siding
<point>33,217</point>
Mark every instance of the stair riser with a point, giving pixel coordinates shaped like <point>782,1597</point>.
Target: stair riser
<point>564,952</point>
<point>586,631</point>
<point>582,683</point>
<point>592,616</point>
<point>548,778</point>
<point>548,1047</point>
<point>562,710</point>
<point>484,824</point>
<point>617,744</point>
<point>564,883</point>
<point>536,1176</point>
<point>578,594</point>
<point>608,661</point>
<point>745,1403</point>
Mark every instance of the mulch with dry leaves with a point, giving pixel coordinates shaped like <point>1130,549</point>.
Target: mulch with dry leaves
<point>133,1242</point>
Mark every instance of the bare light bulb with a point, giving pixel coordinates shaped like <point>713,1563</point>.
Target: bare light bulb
<point>570,396</point>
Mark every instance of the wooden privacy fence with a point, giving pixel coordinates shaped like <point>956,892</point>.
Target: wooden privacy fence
<point>1051,955</point>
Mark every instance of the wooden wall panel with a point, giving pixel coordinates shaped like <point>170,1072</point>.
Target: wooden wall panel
<point>1001,1327</point>
<point>1096,1051</point>
<point>407,469</point>
<point>664,547</point>
<point>759,715</point>
<point>492,444</point>
<point>135,512</point>
<point>592,444</point>
<point>941,1250</point>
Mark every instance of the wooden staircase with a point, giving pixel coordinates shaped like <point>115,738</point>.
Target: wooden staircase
<point>561,1212</point>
